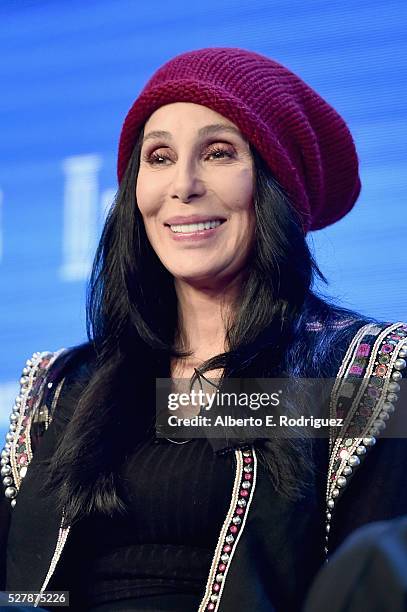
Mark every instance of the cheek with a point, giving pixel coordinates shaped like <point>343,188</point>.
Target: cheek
<point>247,226</point>
<point>141,196</point>
<point>237,192</point>
<point>147,194</point>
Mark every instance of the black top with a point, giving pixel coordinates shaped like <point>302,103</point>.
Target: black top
<point>177,496</point>
<point>281,546</point>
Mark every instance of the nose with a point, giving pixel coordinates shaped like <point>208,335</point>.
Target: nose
<point>186,184</point>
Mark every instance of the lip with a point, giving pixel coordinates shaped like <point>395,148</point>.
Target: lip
<point>180,220</point>
<point>194,237</point>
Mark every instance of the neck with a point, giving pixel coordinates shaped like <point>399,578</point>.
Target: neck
<point>203,314</point>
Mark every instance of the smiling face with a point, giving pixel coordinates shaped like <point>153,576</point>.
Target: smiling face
<point>195,193</point>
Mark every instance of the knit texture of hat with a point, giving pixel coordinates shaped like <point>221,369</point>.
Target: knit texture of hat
<point>304,141</point>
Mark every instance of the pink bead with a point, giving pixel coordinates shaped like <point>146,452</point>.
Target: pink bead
<point>239,511</point>
<point>355,369</point>
<point>22,460</point>
<point>21,439</point>
<point>216,587</point>
<point>243,493</point>
<point>247,476</point>
<point>227,548</point>
<point>247,459</point>
<point>387,348</point>
<point>222,567</point>
<point>364,350</point>
<point>233,529</point>
<point>211,606</point>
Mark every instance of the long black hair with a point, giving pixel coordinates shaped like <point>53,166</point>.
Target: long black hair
<point>132,326</point>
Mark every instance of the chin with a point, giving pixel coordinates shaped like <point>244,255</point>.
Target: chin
<point>194,276</point>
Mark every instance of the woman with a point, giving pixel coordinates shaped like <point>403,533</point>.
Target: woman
<point>226,160</point>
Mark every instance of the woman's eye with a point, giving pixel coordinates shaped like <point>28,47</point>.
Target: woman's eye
<point>219,154</point>
<point>157,159</point>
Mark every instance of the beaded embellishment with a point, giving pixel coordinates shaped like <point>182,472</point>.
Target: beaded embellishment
<point>17,453</point>
<point>316,326</point>
<point>363,395</point>
<point>242,495</point>
<point>232,529</point>
<point>61,541</point>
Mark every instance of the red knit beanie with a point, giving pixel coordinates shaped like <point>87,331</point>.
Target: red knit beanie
<point>306,144</point>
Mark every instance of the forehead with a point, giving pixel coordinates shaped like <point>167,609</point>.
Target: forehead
<point>187,116</point>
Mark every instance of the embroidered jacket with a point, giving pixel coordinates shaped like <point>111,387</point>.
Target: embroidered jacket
<point>269,548</point>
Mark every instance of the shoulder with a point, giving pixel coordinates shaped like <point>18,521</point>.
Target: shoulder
<point>43,378</point>
<point>368,382</point>
<point>322,318</point>
<point>74,363</point>
<point>324,333</point>
<point>47,373</point>
<point>375,354</point>
<point>334,334</point>
<point>368,401</point>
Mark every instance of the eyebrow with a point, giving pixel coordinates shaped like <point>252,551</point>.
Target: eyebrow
<point>207,130</point>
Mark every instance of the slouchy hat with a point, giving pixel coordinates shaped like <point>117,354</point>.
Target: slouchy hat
<point>304,141</point>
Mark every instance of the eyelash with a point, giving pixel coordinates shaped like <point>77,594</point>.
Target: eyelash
<point>154,158</point>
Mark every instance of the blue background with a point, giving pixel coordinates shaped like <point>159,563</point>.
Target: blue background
<point>69,71</point>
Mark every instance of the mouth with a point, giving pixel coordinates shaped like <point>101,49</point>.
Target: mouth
<point>195,232</point>
<point>193,228</point>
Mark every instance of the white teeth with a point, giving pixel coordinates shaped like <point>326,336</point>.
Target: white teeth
<point>187,228</point>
